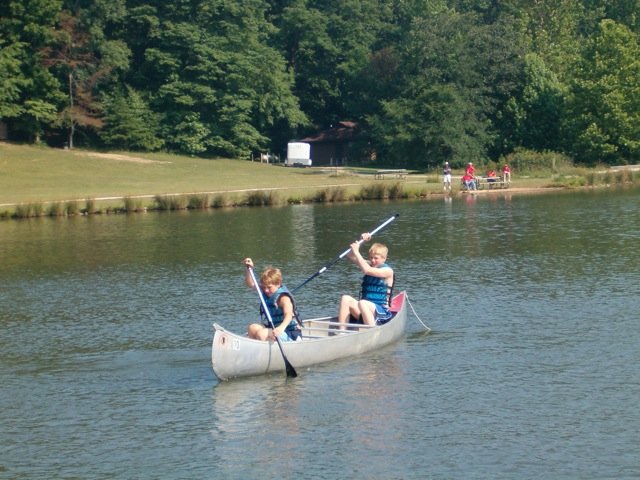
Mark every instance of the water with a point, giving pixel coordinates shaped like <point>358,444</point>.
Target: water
<point>530,371</point>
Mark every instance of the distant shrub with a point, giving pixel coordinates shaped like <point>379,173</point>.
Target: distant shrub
<point>37,209</point>
<point>396,191</point>
<point>331,194</point>
<point>528,161</point>
<point>171,202</point>
<point>133,205</point>
<point>56,209</point>
<point>259,199</point>
<point>198,202</point>
<point>72,208</point>
<point>376,191</point>
<point>22,211</point>
<point>219,201</point>
<point>90,206</point>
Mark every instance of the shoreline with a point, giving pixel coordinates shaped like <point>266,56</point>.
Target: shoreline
<point>319,188</point>
<point>38,182</point>
<point>180,201</point>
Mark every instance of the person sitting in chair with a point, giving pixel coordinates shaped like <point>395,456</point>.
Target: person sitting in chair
<point>468,182</point>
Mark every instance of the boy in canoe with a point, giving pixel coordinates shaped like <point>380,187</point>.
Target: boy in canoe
<point>280,303</point>
<point>377,283</point>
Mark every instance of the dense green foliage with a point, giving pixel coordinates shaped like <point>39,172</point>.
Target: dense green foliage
<point>427,80</point>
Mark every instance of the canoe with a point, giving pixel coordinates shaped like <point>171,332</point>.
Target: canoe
<point>235,356</point>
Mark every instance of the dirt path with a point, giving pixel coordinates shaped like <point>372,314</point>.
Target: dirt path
<point>118,157</point>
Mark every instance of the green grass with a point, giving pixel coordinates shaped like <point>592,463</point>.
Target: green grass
<point>36,174</point>
<point>36,181</point>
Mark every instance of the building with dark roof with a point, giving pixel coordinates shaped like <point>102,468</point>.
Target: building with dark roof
<point>332,146</point>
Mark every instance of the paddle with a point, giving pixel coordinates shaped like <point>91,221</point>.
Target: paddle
<point>344,254</point>
<point>291,372</point>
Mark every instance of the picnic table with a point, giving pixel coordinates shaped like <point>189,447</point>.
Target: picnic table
<point>491,182</point>
<point>396,173</point>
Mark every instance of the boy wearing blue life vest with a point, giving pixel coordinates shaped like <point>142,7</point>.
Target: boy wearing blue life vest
<point>280,303</point>
<point>377,283</point>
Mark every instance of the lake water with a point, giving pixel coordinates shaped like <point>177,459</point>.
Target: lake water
<point>531,369</point>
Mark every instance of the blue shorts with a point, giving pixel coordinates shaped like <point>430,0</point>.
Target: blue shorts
<point>291,335</point>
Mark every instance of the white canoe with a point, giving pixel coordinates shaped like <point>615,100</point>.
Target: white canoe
<point>236,356</point>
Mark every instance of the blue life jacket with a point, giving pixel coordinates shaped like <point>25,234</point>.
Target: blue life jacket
<point>277,314</point>
<point>376,290</point>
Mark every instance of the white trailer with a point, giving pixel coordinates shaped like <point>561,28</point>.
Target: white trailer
<point>298,154</point>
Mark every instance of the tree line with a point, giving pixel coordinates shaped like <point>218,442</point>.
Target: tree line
<point>427,81</point>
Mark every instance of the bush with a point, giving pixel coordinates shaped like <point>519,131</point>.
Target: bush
<point>72,208</point>
<point>332,194</point>
<point>396,191</point>
<point>22,211</point>
<point>171,202</point>
<point>198,202</point>
<point>56,209</point>
<point>376,191</point>
<point>90,206</point>
<point>133,205</point>
<point>259,199</point>
<point>529,161</point>
<point>219,201</point>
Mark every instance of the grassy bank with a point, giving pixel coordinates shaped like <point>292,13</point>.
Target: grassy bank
<point>39,181</point>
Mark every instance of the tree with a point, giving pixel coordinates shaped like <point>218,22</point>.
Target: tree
<point>328,44</point>
<point>73,57</point>
<point>29,93</point>
<point>533,118</point>
<point>454,76</point>
<point>210,68</point>
<point>428,125</point>
<point>603,115</point>
<point>309,51</point>
<point>12,81</point>
<point>129,123</point>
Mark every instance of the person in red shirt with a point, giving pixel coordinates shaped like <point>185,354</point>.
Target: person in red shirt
<point>506,173</point>
<point>468,181</point>
<point>470,170</point>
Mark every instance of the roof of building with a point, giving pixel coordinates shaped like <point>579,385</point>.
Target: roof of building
<point>343,132</point>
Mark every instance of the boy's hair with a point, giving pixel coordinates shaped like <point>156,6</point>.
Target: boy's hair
<point>379,249</point>
<point>271,276</point>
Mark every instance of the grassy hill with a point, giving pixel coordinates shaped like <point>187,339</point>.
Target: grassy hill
<point>37,181</point>
<point>39,174</point>
<point>41,177</point>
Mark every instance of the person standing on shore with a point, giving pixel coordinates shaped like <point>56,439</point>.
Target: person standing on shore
<point>506,173</point>
<point>446,177</point>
